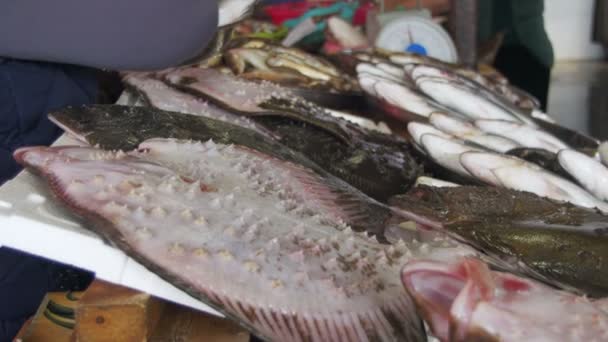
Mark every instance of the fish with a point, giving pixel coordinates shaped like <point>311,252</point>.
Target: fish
<point>155,93</point>
<point>305,70</point>
<point>238,59</point>
<point>465,96</point>
<point>543,158</point>
<point>554,242</point>
<point>468,132</point>
<point>429,181</point>
<point>518,174</point>
<point>446,152</point>
<point>379,168</point>
<point>463,99</point>
<point>464,300</point>
<point>378,164</point>
<point>419,129</point>
<point>247,234</point>
<point>589,172</point>
<point>523,134</point>
<point>264,61</point>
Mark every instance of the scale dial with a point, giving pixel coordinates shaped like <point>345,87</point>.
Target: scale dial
<point>418,35</point>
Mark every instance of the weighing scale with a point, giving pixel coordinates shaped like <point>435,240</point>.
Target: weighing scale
<point>414,31</point>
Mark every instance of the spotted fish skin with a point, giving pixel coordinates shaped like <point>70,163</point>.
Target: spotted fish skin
<point>251,235</point>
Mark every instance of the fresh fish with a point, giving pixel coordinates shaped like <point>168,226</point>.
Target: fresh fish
<point>541,157</point>
<point>446,152</point>
<point>590,173</point>
<point>486,104</point>
<point>366,68</point>
<point>463,99</point>
<point>238,59</point>
<point>379,165</point>
<point>157,94</point>
<point>314,61</point>
<point>243,96</point>
<point>465,301</point>
<point>429,181</point>
<point>517,174</point>
<point>478,85</point>
<point>116,127</point>
<point>466,131</point>
<point>523,134</point>
<point>418,129</point>
<point>232,11</point>
<point>554,242</point>
<point>257,238</point>
<point>404,98</point>
<point>310,72</point>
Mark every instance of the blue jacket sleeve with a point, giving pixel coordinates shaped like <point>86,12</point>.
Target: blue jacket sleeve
<point>107,34</point>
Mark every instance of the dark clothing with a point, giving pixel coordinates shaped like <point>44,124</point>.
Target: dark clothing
<point>113,34</point>
<point>109,34</point>
<point>29,90</point>
<point>526,57</point>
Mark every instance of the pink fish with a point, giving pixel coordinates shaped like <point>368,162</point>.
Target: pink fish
<point>465,301</point>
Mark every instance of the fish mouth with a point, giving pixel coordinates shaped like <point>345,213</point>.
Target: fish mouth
<point>446,295</point>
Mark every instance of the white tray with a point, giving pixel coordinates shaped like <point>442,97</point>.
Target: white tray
<point>32,221</point>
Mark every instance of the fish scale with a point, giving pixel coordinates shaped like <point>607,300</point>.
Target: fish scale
<point>241,275</point>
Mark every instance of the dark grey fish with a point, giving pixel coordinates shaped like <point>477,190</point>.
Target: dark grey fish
<point>555,242</point>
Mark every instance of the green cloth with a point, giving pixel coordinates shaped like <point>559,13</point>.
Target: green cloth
<point>522,22</point>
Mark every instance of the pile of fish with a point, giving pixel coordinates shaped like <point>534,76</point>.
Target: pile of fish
<point>239,187</point>
<point>378,164</point>
<point>262,60</point>
<point>479,135</point>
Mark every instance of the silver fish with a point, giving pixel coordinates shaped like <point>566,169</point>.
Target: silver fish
<point>518,174</point>
<point>464,301</point>
<point>589,172</point>
<point>429,181</point>
<point>261,240</point>
<point>523,134</point>
<point>446,152</point>
<point>466,131</point>
<point>465,97</point>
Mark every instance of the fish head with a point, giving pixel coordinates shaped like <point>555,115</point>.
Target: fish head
<point>448,295</point>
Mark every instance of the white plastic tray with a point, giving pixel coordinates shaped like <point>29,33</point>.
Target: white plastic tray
<point>32,221</point>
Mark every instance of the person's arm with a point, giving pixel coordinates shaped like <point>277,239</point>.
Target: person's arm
<point>107,34</point>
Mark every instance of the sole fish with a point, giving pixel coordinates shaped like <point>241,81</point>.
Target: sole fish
<point>241,231</point>
<point>465,301</point>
